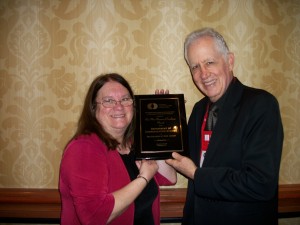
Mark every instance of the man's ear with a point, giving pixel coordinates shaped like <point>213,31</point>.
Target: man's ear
<point>231,60</point>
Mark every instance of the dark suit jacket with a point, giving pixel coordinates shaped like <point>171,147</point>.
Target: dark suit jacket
<point>238,183</point>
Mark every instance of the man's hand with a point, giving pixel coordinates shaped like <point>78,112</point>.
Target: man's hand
<point>161,91</point>
<point>182,164</point>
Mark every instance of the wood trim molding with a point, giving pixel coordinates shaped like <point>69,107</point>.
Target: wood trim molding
<point>24,203</point>
<point>289,198</point>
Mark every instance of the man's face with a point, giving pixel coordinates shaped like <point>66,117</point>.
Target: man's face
<point>211,71</point>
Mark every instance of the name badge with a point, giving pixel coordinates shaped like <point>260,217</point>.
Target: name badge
<point>204,144</point>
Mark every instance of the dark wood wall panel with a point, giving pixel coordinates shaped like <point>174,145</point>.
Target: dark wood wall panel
<point>45,203</point>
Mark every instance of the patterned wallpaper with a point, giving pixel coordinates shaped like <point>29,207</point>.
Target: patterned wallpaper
<point>50,51</point>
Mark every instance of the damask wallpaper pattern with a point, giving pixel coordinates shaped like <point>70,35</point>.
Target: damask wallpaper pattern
<point>50,51</point>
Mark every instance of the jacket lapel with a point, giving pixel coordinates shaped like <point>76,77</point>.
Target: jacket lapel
<point>195,133</point>
<point>226,118</point>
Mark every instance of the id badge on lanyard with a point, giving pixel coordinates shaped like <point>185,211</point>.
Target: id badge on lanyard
<point>205,138</point>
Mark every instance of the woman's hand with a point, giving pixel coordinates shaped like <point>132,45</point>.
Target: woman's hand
<point>127,194</point>
<point>148,168</point>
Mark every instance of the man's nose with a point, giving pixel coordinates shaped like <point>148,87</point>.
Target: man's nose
<point>203,71</point>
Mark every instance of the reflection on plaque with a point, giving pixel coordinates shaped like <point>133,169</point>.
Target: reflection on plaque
<point>161,126</point>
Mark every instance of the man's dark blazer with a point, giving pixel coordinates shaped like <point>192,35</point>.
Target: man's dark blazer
<point>238,182</point>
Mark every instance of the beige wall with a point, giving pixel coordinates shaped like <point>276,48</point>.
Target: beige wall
<point>51,50</point>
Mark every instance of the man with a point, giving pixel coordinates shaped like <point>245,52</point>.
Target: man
<point>233,169</point>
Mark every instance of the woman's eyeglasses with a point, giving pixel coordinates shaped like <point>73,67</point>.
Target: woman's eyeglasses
<point>110,103</point>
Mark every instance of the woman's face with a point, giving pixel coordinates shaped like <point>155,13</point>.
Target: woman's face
<point>114,119</point>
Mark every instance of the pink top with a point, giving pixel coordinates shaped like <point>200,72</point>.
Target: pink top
<point>89,174</point>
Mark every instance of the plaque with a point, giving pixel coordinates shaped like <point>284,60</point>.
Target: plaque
<point>161,126</point>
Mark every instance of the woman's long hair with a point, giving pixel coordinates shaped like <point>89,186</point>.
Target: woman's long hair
<point>88,123</point>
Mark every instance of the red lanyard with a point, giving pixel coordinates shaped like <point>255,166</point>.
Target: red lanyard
<point>205,138</point>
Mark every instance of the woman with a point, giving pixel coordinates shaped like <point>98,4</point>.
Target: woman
<point>100,182</point>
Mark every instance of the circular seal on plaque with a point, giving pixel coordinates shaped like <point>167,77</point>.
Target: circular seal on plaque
<point>152,106</point>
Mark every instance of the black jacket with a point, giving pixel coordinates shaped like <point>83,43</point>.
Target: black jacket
<point>238,183</point>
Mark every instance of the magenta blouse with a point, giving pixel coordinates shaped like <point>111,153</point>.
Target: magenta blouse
<point>89,174</point>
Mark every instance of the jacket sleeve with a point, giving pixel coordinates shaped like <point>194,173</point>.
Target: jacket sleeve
<point>84,169</point>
